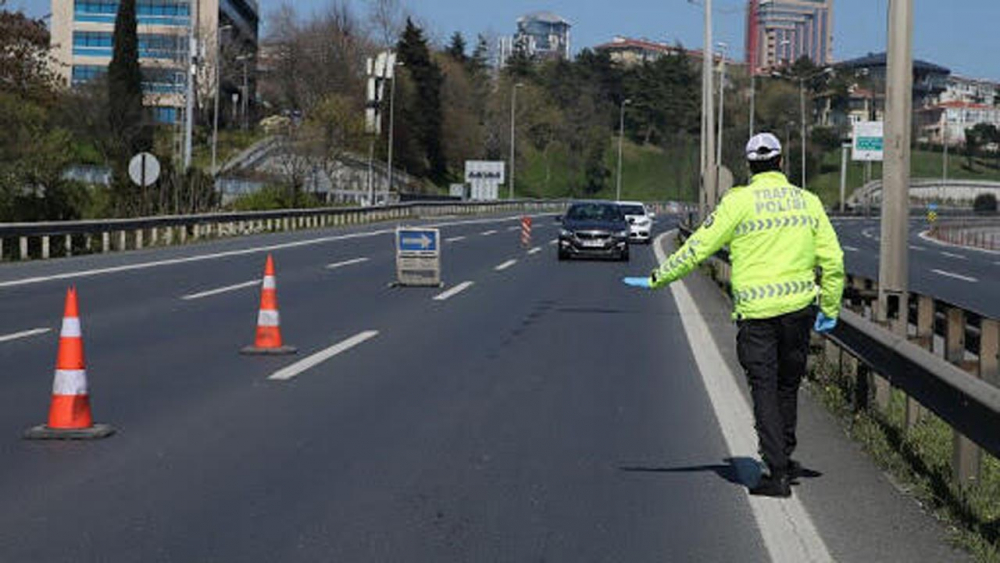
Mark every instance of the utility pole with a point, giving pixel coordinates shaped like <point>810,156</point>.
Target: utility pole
<point>723,49</point>
<point>621,137</point>
<point>218,87</point>
<point>189,94</point>
<point>843,175</point>
<point>513,133</point>
<point>802,107</point>
<point>894,260</point>
<point>708,165</point>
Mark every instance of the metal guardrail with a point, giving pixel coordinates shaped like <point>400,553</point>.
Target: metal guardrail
<point>35,240</point>
<point>947,364</point>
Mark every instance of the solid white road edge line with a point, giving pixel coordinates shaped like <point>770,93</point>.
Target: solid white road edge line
<point>505,265</point>
<point>226,289</point>
<point>926,237</point>
<point>351,262</point>
<point>322,356</point>
<point>24,334</point>
<point>229,253</point>
<point>786,527</point>
<point>955,276</point>
<point>453,291</point>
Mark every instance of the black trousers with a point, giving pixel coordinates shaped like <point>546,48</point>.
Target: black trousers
<point>773,353</point>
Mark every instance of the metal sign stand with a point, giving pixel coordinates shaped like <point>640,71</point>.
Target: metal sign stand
<point>418,257</point>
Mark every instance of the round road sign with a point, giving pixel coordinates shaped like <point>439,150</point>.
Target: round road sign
<point>144,169</point>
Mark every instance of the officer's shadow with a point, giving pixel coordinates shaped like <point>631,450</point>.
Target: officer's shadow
<point>743,471</point>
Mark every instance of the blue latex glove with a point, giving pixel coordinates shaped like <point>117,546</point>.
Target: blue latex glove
<point>642,283</point>
<point>824,323</point>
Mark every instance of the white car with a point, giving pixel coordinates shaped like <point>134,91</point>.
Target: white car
<point>640,220</point>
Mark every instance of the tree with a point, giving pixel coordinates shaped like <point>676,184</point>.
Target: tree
<point>985,203</point>
<point>25,68</point>
<point>456,48</point>
<point>422,110</point>
<point>976,138</point>
<point>129,126</point>
<point>479,61</point>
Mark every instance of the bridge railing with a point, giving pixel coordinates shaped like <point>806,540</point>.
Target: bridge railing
<point>946,364</point>
<point>43,240</point>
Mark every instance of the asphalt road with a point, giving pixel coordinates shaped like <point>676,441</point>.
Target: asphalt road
<point>965,277</point>
<point>542,413</point>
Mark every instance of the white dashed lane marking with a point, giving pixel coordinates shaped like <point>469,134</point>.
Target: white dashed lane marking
<point>312,361</point>
<point>955,276</point>
<point>505,265</point>
<point>453,291</point>
<point>221,290</point>
<point>337,265</point>
<point>24,334</point>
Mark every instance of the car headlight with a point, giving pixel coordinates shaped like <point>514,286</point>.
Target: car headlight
<point>565,233</point>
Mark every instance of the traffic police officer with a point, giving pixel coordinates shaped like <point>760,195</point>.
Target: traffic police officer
<point>779,237</point>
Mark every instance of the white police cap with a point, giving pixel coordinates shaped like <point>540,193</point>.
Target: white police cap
<point>763,146</point>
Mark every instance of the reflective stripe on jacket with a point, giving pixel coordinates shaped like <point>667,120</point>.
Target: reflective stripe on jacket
<point>778,235</point>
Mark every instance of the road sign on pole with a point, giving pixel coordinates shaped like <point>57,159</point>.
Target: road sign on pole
<point>418,256</point>
<point>869,141</point>
<point>144,169</point>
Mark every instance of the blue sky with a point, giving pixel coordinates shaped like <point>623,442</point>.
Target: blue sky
<point>963,35</point>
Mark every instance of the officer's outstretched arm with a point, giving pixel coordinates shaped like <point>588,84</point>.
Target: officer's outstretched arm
<point>830,258</point>
<point>714,233</point>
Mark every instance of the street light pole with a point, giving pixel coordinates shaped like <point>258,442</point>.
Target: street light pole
<point>621,137</point>
<point>753,100</point>
<point>513,132</point>
<point>894,260</point>
<point>218,86</point>
<point>392,121</point>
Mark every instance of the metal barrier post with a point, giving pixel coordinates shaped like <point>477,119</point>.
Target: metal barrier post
<point>965,454</point>
<point>23,243</point>
<point>69,245</point>
<point>45,248</point>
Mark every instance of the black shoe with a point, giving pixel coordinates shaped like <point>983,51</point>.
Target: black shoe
<point>773,485</point>
<point>797,471</point>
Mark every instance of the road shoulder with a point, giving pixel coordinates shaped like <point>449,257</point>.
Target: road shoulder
<point>859,512</point>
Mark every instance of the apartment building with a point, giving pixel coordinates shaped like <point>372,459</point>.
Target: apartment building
<point>83,43</point>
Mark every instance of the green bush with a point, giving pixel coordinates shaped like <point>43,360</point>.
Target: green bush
<point>985,203</point>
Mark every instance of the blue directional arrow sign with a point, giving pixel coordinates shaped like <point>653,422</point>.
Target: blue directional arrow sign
<point>417,240</point>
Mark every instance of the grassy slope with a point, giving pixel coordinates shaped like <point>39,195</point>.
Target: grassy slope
<point>648,173</point>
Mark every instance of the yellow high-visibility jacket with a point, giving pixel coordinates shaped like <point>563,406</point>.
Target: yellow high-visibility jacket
<point>778,235</point>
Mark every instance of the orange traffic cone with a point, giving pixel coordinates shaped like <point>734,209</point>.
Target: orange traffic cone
<point>268,340</point>
<point>69,413</point>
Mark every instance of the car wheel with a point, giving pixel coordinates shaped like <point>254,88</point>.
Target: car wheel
<point>563,256</point>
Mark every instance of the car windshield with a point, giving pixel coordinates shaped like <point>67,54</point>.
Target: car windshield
<point>633,210</point>
<point>594,212</point>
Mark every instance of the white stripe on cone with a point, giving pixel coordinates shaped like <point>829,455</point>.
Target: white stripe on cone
<point>267,318</point>
<point>269,282</point>
<point>70,382</point>
<point>71,327</point>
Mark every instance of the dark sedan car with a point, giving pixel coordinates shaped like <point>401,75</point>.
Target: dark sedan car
<point>594,229</point>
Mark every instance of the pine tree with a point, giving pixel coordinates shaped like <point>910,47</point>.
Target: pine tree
<point>127,118</point>
<point>423,110</point>
<point>456,48</point>
<point>479,60</point>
